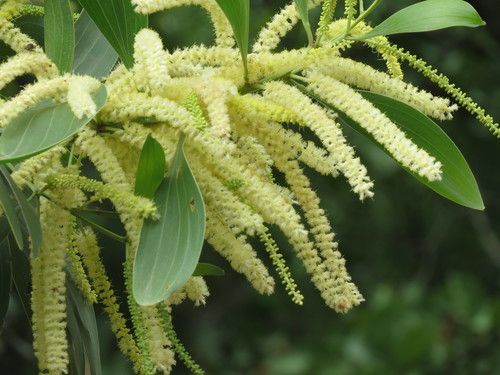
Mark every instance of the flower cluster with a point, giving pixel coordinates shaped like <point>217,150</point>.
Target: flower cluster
<point>239,133</point>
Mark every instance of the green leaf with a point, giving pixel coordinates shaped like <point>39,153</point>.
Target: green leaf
<point>106,223</point>
<point>169,248</point>
<point>238,14</point>
<point>41,127</point>
<point>119,23</point>
<point>21,278</point>
<point>303,10</point>
<point>428,16</point>
<point>5,278</point>
<point>9,207</point>
<point>207,269</point>
<point>151,169</point>
<point>82,327</point>
<point>59,34</point>
<point>458,183</point>
<point>28,213</point>
<point>94,56</point>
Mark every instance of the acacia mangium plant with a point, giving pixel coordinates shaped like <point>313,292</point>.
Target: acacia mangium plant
<point>204,143</point>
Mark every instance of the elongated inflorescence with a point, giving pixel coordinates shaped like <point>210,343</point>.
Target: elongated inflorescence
<point>250,143</point>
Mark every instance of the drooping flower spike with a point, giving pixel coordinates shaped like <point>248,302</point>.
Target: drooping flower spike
<point>239,133</point>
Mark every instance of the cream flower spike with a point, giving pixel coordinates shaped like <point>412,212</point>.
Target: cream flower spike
<point>223,31</point>
<point>281,24</point>
<point>151,68</point>
<point>342,97</point>
<point>79,96</point>
<point>365,77</point>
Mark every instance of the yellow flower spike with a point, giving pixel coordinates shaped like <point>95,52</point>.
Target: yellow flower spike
<point>15,38</point>
<point>443,82</point>
<point>375,122</point>
<point>351,9</point>
<point>113,175</point>
<point>256,106</point>
<point>168,327</point>
<point>365,77</point>
<point>79,99</point>
<point>24,63</point>
<point>223,31</point>
<point>328,132</point>
<point>150,69</point>
<point>94,146</point>
<point>126,153</point>
<point>197,290</point>
<point>32,168</point>
<point>56,229</point>
<point>255,157</point>
<point>327,14</point>
<point>281,267</point>
<point>141,206</point>
<point>160,349</point>
<point>235,214</point>
<point>328,273</point>
<point>38,311</point>
<point>142,334</point>
<point>53,88</point>
<point>239,254</point>
<point>77,270</point>
<point>215,94</point>
<point>87,245</point>
<point>192,105</point>
<point>282,23</point>
<point>11,8</point>
<point>338,28</point>
<point>204,56</point>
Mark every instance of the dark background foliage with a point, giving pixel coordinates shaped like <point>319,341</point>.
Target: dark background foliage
<point>427,268</point>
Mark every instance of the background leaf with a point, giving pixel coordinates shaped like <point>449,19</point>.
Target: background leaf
<point>303,10</point>
<point>41,127</point>
<point>458,183</point>
<point>151,168</point>
<point>5,278</point>
<point>82,327</point>
<point>428,16</point>
<point>94,55</point>
<point>30,218</point>
<point>119,23</point>
<point>21,278</point>
<point>59,33</point>
<point>238,14</point>
<point>106,223</point>
<point>169,248</point>
<point>9,209</point>
<point>207,269</point>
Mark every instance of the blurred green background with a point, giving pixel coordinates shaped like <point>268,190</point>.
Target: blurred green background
<point>429,269</point>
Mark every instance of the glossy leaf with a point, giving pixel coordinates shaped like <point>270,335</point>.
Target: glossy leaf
<point>82,327</point>
<point>30,218</point>
<point>151,168</point>
<point>169,248</point>
<point>428,16</point>
<point>59,34</point>
<point>94,55</point>
<point>119,23</point>
<point>8,203</point>
<point>303,10</point>
<point>207,269</point>
<point>458,183</point>
<point>238,14</point>
<point>41,127</point>
<point>5,278</point>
